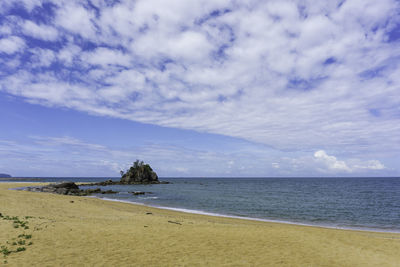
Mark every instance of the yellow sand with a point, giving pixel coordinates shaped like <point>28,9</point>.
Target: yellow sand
<point>93,232</point>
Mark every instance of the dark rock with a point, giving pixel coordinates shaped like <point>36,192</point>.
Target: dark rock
<point>108,182</point>
<point>61,191</point>
<point>48,189</point>
<point>109,192</point>
<point>104,183</point>
<point>92,191</point>
<point>137,193</point>
<point>66,185</point>
<point>139,173</point>
<point>68,188</point>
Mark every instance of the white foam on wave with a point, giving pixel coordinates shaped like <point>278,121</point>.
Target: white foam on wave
<point>347,228</point>
<point>148,197</point>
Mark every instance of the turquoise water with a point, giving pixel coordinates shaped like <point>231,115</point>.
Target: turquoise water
<point>354,203</point>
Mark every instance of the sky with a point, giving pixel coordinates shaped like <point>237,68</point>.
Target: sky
<point>207,88</point>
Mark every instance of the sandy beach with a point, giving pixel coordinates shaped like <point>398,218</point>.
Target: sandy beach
<point>84,231</point>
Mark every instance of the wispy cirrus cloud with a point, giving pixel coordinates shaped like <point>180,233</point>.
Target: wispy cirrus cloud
<point>294,75</point>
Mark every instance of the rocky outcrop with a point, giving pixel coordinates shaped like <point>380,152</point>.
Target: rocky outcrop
<point>68,188</point>
<point>139,173</point>
<point>108,182</point>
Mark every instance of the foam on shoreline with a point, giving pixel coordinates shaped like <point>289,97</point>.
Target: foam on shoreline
<point>90,231</point>
<point>199,212</point>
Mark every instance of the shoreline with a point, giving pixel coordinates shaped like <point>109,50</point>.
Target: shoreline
<point>206,213</point>
<point>200,212</point>
<point>75,231</point>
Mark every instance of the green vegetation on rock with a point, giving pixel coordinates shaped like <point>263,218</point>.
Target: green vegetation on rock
<point>139,173</point>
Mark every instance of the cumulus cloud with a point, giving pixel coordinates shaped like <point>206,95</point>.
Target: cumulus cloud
<point>353,165</point>
<point>294,75</point>
<point>331,162</point>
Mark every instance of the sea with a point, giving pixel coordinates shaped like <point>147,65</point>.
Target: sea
<point>371,204</point>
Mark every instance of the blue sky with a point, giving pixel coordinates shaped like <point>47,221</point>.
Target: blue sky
<point>204,88</point>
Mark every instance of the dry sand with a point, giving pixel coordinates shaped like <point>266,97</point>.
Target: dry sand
<point>82,231</point>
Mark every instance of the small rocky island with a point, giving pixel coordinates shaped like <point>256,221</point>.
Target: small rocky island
<point>139,173</point>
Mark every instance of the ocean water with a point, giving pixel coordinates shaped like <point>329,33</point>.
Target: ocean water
<point>350,203</point>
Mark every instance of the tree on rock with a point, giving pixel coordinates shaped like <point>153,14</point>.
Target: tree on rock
<point>139,173</point>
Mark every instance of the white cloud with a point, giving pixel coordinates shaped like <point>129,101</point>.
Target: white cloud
<point>27,4</point>
<point>188,46</point>
<point>275,165</point>
<point>43,32</point>
<point>353,165</point>
<point>43,57</point>
<point>294,75</point>
<point>371,165</point>
<point>67,140</point>
<point>68,53</point>
<point>331,162</point>
<point>76,19</point>
<point>105,57</point>
<point>11,45</point>
<point>5,30</point>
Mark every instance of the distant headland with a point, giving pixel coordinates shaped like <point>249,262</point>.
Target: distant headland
<point>4,175</point>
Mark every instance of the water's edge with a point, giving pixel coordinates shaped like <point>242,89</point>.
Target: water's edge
<point>199,212</point>
<point>370,204</point>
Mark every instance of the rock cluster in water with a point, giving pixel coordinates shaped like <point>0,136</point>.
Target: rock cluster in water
<point>139,173</point>
<point>68,188</point>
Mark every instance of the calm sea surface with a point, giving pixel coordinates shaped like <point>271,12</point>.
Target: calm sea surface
<point>355,203</point>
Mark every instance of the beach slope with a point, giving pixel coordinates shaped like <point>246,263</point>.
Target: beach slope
<point>83,231</point>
